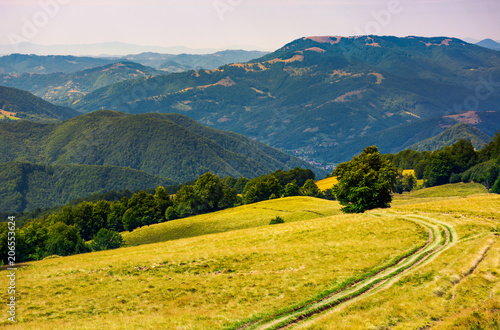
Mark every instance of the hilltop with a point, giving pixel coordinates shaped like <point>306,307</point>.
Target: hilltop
<point>323,97</point>
<point>66,88</point>
<point>451,135</point>
<point>17,104</point>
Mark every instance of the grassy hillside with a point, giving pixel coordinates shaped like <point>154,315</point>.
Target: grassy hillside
<point>17,104</point>
<point>210,281</point>
<point>242,217</point>
<point>170,146</point>
<point>263,274</point>
<point>326,183</point>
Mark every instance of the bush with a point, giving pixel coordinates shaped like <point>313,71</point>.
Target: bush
<point>277,220</point>
<point>106,240</point>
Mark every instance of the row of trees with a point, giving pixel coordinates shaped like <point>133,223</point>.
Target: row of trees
<point>66,231</point>
<point>42,238</point>
<point>459,162</point>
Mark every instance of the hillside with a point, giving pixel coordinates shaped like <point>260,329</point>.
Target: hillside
<point>452,135</point>
<point>184,62</point>
<point>171,146</point>
<point>20,63</point>
<point>489,43</point>
<point>354,271</point>
<point>17,104</point>
<point>319,97</point>
<point>29,186</point>
<point>66,88</point>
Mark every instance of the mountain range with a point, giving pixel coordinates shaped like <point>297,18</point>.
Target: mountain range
<point>97,49</point>
<point>66,88</point>
<point>326,98</point>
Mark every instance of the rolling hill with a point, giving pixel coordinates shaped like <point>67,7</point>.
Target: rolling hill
<point>322,97</point>
<point>17,104</point>
<point>451,135</point>
<point>66,88</point>
<point>21,63</point>
<point>489,43</point>
<point>313,271</point>
<point>166,145</point>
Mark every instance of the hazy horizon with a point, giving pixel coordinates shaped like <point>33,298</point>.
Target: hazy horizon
<point>238,24</point>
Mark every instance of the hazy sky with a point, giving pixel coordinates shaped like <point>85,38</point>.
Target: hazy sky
<point>258,24</point>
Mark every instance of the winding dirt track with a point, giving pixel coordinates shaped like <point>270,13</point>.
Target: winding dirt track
<point>441,236</point>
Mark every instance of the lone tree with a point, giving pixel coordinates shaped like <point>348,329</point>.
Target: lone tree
<point>366,182</point>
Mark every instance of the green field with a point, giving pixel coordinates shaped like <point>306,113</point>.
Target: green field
<point>429,262</point>
<point>247,216</point>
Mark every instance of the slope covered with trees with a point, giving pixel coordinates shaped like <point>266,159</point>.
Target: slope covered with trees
<point>451,135</point>
<point>18,104</point>
<point>120,151</point>
<point>459,162</point>
<point>28,186</point>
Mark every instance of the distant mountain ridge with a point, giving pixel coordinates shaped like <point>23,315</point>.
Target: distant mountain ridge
<point>20,63</point>
<point>65,88</point>
<point>452,135</point>
<point>183,62</point>
<point>317,97</point>
<point>16,104</point>
<point>489,43</point>
<point>97,49</point>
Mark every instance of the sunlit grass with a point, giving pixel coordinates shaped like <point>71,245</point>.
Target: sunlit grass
<point>327,183</point>
<point>448,293</point>
<point>248,268</point>
<point>210,281</point>
<point>247,216</point>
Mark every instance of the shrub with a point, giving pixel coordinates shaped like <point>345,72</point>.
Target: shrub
<point>106,240</point>
<point>277,220</point>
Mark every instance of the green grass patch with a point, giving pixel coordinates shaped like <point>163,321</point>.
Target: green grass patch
<point>450,190</point>
<point>290,209</point>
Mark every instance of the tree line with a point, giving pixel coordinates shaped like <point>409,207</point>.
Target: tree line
<point>66,231</point>
<point>459,162</point>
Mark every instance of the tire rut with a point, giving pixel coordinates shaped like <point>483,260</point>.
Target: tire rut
<point>436,243</point>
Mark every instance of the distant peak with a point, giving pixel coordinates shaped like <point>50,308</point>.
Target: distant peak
<point>325,39</point>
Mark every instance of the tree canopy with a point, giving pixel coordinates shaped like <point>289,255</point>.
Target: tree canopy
<point>366,182</point>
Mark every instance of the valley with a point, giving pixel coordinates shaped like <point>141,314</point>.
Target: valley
<point>334,183</point>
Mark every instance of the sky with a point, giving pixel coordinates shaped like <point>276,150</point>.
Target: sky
<point>246,24</point>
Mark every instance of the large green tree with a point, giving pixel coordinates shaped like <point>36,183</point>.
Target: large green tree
<point>366,182</point>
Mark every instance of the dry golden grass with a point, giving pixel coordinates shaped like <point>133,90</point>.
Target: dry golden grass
<point>211,281</point>
<point>457,290</point>
<point>243,217</point>
<point>327,183</point>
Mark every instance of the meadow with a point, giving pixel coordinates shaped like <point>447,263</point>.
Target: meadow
<point>232,269</point>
